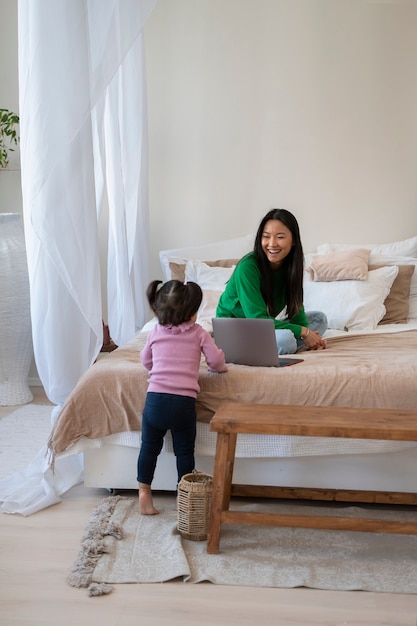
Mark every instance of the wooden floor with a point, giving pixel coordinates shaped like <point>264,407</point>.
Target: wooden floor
<point>36,552</point>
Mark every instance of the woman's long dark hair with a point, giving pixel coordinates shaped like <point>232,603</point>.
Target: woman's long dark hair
<point>174,302</point>
<point>292,265</point>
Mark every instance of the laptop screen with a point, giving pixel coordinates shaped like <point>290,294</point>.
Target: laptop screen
<point>248,341</point>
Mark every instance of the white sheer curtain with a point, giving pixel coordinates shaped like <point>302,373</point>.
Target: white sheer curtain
<point>83,118</point>
<point>127,175</point>
<point>83,133</point>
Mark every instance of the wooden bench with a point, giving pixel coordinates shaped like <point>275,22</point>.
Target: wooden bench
<point>233,418</point>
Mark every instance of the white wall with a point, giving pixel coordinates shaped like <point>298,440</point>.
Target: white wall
<point>310,105</point>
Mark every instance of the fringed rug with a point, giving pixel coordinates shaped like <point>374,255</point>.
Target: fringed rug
<point>121,546</point>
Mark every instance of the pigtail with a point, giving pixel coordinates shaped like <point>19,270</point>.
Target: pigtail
<point>151,293</point>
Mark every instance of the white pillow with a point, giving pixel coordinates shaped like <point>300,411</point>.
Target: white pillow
<point>212,281</point>
<point>207,309</point>
<point>351,304</point>
<point>407,247</point>
<point>213,278</point>
<point>395,253</point>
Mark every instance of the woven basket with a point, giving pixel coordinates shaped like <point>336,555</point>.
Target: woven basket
<point>193,504</point>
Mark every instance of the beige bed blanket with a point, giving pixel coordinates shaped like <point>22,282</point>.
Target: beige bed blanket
<point>374,370</point>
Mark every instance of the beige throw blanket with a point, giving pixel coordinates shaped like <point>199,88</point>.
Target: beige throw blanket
<point>375,370</point>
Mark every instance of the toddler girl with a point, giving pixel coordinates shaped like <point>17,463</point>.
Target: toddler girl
<point>172,355</point>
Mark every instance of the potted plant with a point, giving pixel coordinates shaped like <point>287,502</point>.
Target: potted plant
<point>8,135</point>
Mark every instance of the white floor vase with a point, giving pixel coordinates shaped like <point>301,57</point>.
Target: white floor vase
<point>16,348</point>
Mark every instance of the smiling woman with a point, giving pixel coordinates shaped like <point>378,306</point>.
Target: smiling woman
<point>268,283</point>
<point>276,242</point>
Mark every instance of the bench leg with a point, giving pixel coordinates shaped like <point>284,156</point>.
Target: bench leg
<point>230,463</point>
<point>222,482</point>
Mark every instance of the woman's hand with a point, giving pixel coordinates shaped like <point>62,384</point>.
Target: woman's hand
<point>313,340</point>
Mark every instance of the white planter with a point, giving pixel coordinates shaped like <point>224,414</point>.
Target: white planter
<point>16,348</point>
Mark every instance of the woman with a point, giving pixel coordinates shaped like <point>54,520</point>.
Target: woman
<point>268,283</point>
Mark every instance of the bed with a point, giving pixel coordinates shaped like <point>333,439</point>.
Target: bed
<point>369,294</point>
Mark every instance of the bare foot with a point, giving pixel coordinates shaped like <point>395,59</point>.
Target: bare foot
<point>146,506</point>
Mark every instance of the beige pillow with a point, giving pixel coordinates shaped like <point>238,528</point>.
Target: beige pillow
<point>341,265</point>
<point>397,303</point>
<point>178,269</point>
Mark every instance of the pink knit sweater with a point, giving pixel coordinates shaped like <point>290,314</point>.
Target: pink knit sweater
<point>172,355</point>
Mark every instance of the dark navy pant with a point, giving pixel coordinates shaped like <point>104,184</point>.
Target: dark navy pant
<point>163,412</point>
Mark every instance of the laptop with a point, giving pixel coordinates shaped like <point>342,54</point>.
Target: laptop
<point>247,341</point>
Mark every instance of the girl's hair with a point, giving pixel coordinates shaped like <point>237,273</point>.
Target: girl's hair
<point>174,302</point>
<point>292,265</point>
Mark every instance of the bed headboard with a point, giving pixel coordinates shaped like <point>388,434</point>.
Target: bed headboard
<point>226,249</point>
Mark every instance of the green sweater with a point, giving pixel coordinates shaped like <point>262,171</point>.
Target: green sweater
<point>243,298</point>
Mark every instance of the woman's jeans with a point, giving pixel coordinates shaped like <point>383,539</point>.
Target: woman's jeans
<point>163,412</point>
<point>286,341</point>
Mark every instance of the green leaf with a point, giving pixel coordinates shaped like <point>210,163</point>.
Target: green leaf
<point>8,135</point>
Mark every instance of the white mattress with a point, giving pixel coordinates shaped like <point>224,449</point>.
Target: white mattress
<point>254,446</point>
<point>265,446</point>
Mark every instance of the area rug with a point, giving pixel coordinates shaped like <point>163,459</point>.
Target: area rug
<point>121,546</point>
<point>22,434</point>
